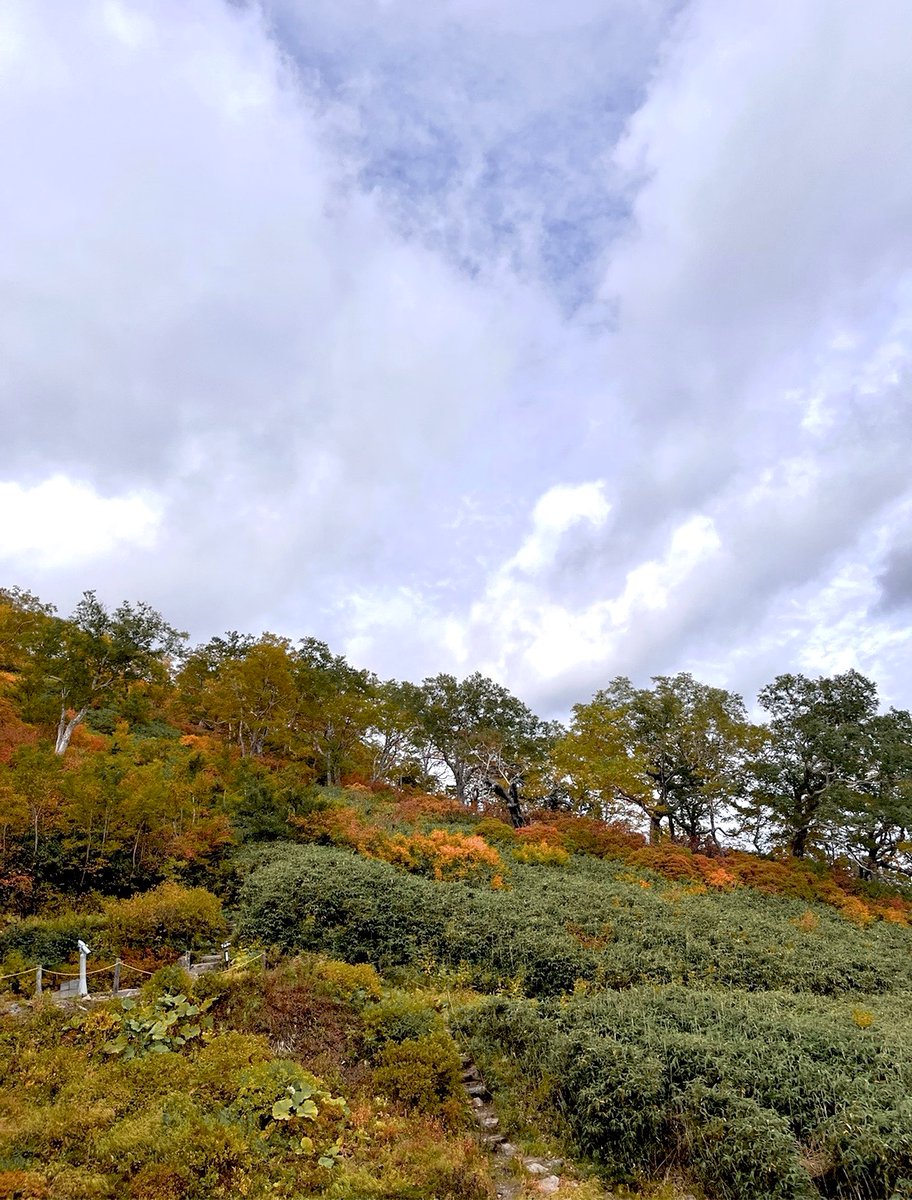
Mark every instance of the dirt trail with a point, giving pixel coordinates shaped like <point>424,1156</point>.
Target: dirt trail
<point>540,1173</point>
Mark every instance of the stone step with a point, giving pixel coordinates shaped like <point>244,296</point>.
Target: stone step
<point>204,968</point>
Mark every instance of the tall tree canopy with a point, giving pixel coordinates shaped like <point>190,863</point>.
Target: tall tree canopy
<point>80,661</point>
<point>675,751</point>
<point>480,733</point>
<point>819,737</point>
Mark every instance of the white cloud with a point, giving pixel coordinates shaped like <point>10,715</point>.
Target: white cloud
<point>316,316</point>
<point>59,523</point>
<point>559,509</point>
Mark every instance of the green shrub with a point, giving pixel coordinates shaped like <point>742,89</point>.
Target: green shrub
<point>321,898</point>
<point>167,918</point>
<point>497,832</point>
<point>50,940</point>
<point>399,1017</point>
<point>757,1094</point>
<point>591,920</point>
<point>17,974</point>
<point>615,1099</point>
<point>172,979</point>
<point>740,1150</point>
<point>422,1073</point>
<point>867,1150</point>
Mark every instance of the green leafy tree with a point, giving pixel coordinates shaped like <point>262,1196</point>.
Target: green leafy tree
<point>95,654</point>
<point>393,734</point>
<point>333,714</point>
<point>873,824</point>
<point>675,751</point>
<point>23,618</point>
<point>37,786</point>
<point>817,751</point>
<point>481,735</point>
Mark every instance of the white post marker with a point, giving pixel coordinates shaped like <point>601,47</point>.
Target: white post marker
<point>84,952</point>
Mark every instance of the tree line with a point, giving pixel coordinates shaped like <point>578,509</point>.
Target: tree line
<point>825,772</point>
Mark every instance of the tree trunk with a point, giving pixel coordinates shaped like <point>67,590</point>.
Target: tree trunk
<point>655,829</point>
<point>799,841</point>
<point>66,728</point>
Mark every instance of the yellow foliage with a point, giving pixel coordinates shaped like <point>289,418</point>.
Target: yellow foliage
<point>807,922</point>
<point>348,982</point>
<point>856,911</point>
<point>168,917</point>
<point>542,854</point>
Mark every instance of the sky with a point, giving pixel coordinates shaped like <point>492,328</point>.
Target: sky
<point>557,341</point>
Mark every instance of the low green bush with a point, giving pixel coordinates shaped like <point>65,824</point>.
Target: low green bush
<point>739,1149</point>
<point>167,918</point>
<point>50,940</point>
<point>171,979</point>
<point>591,921</point>
<point>422,1073</point>
<point>363,910</point>
<point>757,1094</point>
<point>399,1017</point>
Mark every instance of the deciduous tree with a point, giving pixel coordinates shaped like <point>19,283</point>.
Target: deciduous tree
<point>95,653</point>
<point>816,750</point>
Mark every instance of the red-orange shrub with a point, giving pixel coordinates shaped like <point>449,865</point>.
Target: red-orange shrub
<point>441,854</point>
<point>674,862</point>
<point>411,809</point>
<point>588,835</point>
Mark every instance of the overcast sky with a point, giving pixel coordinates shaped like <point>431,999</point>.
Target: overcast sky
<point>558,339</point>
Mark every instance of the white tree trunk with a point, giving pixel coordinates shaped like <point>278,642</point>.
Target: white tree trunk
<point>66,727</point>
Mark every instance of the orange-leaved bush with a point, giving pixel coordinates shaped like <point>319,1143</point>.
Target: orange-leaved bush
<point>442,854</point>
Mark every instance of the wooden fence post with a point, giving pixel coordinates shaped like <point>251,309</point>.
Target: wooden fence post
<point>116,986</point>
<point>39,982</point>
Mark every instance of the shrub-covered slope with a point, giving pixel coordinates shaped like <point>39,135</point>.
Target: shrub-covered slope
<point>556,927</point>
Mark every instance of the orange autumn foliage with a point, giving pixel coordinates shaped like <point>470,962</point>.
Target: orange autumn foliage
<point>441,854</point>
<point>13,731</point>
<point>444,855</point>
<point>588,835</point>
<point>414,808</point>
<point>682,865</point>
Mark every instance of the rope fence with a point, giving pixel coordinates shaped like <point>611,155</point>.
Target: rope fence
<point>242,965</point>
<point>16,974</point>
<point>116,968</point>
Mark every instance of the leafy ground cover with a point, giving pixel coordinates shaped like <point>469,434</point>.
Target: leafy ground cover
<point>757,1094</point>
<point>560,926</point>
<point>192,1096</point>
